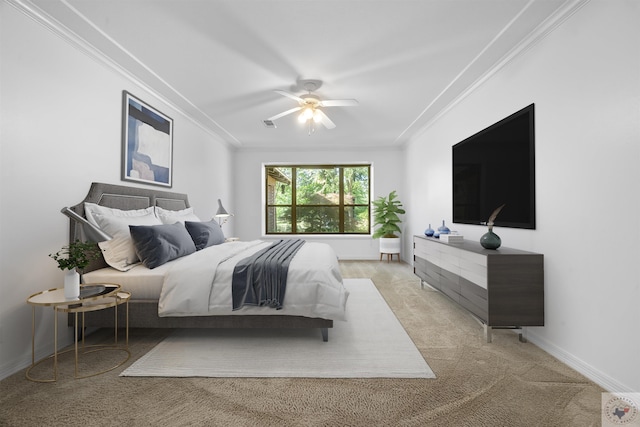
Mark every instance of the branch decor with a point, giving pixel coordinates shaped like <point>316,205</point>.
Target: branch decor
<point>76,255</point>
<point>491,240</point>
<point>493,216</point>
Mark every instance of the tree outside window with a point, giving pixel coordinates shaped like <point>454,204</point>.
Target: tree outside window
<point>318,199</point>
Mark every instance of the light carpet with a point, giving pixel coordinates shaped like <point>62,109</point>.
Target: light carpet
<point>371,343</point>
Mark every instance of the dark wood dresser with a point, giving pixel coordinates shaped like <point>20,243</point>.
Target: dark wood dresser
<point>503,288</point>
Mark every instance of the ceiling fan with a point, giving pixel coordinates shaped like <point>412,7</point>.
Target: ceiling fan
<point>310,106</point>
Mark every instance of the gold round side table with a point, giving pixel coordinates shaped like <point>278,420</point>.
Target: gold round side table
<point>93,297</point>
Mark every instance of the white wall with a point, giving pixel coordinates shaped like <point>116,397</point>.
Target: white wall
<point>584,78</point>
<point>60,130</point>
<point>387,176</point>
<point>60,127</point>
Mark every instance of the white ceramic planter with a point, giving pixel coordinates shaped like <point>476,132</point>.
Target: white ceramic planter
<point>390,245</point>
<point>71,284</point>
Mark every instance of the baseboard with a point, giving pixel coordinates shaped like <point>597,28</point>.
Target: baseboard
<point>9,368</point>
<point>24,360</point>
<point>603,380</point>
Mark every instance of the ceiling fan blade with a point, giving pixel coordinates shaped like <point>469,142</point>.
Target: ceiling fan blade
<point>339,103</point>
<point>284,113</point>
<point>326,121</point>
<point>290,95</point>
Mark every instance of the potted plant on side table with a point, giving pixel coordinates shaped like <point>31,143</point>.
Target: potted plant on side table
<point>73,258</point>
<point>385,214</point>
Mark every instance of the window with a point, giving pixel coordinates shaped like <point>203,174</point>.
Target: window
<point>317,199</point>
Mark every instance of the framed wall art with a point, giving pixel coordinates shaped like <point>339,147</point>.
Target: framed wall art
<point>147,143</point>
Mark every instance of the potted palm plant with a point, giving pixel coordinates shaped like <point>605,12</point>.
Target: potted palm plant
<point>385,215</point>
<point>72,259</point>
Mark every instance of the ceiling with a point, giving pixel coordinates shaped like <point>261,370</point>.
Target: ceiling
<point>219,61</point>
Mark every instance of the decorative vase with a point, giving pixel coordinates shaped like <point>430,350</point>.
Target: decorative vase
<point>444,229</point>
<point>490,240</point>
<point>71,284</point>
<point>429,231</point>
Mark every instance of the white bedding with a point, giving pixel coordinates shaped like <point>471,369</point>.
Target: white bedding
<point>193,286</point>
<point>144,284</point>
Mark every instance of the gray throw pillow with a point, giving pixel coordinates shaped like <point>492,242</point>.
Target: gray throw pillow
<point>205,234</point>
<point>158,244</point>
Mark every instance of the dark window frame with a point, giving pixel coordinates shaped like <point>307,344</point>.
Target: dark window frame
<point>293,206</point>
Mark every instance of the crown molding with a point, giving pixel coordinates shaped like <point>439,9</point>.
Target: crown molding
<point>66,34</point>
<point>564,12</point>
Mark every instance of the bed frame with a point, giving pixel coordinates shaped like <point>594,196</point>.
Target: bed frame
<point>144,313</point>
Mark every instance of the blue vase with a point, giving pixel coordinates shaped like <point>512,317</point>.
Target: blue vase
<point>429,231</point>
<point>490,240</point>
<point>444,229</point>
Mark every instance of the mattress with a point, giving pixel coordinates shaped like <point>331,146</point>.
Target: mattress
<point>141,282</point>
<point>314,287</point>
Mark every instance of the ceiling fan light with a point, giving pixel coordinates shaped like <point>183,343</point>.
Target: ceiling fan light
<point>310,109</point>
<point>308,113</point>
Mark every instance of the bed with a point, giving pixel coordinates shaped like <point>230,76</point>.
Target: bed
<point>166,296</point>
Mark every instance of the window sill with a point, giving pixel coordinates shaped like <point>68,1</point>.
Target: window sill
<point>318,236</point>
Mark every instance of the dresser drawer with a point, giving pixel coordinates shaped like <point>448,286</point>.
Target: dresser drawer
<point>450,262</point>
<point>427,271</point>
<point>481,312</point>
<point>473,267</point>
<point>425,249</point>
<point>473,292</point>
<point>474,299</point>
<point>449,284</point>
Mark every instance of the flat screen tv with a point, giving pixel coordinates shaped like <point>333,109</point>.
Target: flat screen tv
<point>497,166</point>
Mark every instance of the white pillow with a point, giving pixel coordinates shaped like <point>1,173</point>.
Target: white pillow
<point>91,210</point>
<point>119,252</point>
<point>171,217</point>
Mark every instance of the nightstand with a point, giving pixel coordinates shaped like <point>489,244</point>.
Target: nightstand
<point>93,297</point>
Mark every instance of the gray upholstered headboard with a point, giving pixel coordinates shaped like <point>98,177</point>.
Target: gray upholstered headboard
<point>125,198</point>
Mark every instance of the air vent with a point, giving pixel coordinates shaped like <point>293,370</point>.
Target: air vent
<point>269,124</point>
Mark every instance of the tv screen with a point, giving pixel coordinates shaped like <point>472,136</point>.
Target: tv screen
<point>497,166</point>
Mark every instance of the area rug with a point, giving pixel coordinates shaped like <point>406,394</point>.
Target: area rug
<point>371,343</point>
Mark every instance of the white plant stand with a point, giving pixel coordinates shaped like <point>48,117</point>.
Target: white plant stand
<point>390,246</point>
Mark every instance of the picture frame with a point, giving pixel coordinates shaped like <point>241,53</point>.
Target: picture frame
<point>147,143</point>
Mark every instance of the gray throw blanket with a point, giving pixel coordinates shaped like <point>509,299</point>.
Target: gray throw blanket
<point>261,279</point>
